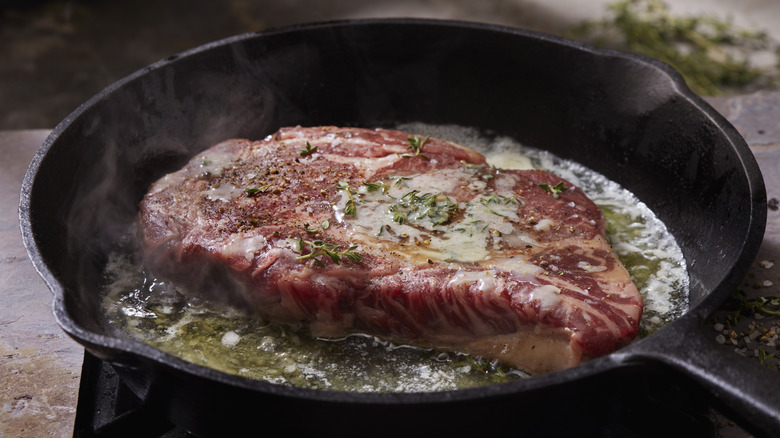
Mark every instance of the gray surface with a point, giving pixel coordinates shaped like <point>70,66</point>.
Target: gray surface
<point>40,366</point>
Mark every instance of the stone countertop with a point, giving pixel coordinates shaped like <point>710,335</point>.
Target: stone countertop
<point>40,366</point>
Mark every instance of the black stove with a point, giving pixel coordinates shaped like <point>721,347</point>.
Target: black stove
<point>652,408</point>
<point>108,409</point>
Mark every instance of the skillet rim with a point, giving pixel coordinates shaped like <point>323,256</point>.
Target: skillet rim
<point>628,354</point>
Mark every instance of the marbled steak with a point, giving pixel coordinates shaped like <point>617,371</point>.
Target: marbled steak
<point>404,237</point>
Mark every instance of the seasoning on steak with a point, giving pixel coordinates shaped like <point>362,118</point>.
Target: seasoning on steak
<point>399,236</point>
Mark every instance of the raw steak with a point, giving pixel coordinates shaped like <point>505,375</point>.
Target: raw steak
<point>399,236</point>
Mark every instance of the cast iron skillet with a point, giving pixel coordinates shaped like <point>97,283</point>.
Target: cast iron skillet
<point>628,117</point>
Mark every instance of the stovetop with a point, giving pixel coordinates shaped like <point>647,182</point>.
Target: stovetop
<point>108,408</point>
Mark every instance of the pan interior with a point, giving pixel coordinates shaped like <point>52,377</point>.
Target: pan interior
<point>138,306</point>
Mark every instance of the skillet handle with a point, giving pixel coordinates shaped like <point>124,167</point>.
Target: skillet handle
<point>743,389</point>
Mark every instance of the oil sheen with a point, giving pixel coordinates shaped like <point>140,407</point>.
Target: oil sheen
<point>139,306</point>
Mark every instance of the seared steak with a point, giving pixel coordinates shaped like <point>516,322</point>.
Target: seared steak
<point>399,236</point>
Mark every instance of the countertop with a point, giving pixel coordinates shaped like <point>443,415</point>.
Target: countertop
<point>40,366</point>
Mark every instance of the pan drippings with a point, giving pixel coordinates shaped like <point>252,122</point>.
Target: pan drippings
<point>139,306</point>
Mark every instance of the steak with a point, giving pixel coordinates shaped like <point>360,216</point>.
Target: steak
<point>390,234</point>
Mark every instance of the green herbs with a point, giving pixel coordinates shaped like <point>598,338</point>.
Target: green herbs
<point>309,150</point>
<point>400,180</point>
<point>376,186</point>
<point>710,52</point>
<point>416,144</point>
<point>319,248</point>
<point>555,190</point>
<point>316,249</point>
<point>764,357</point>
<point>349,207</point>
<point>385,187</point>
<point>324,225</point>
<point>488,171</point>
<point>255,190</point>
<point>413,206</point>
<point>769,305</point>
<point>498,200</point>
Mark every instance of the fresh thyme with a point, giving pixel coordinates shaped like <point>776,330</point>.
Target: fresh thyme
<point>349,207</point>
<point>324,225</point>
<point>412,206</point>
<point>499,200</point>
<point>767,305</point>
<point>373,187</point>
<point>479,169</point>
<point>710,52</point>
<point>319,248</point>
<point>763,357</point>
<point>400,180</point>
<point>255,190</point>
<point>416,144</point>
<point>309,150</point>
<point>555,190</point>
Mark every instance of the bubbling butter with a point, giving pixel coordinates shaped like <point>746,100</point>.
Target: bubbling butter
<point>387,213</point>
<point>139,306</point>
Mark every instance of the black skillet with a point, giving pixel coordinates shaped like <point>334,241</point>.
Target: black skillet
<point>628,117</point>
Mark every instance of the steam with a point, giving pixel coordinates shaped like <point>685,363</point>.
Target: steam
<point>149,124</point>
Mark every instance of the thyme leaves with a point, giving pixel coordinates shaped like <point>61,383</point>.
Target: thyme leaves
<point>309,150</point>
<point>412,206</point>
<point>376,186</point>
<point>320,248</point>
<point>712,53</point>
<point>324,225</point>
<point>416,144</point>
<point>498,200</point>
<point>555,190</point>
<point>255,190</point>
<point>767,305</point>
<point>349,208</point>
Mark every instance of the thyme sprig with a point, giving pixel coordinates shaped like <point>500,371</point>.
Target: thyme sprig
<point>555,190</point>
<point>324,225</point>
<point>499,200</point>
<point>374,186</point>
<point>255,190</point>
<point>764,357</point>
<point>416,144</point>
<point>349,207</point>
<point>319,248</point>
<point>309,150</point>
<point>399,181</point>
<point>767,305</point>
<point>437,207</point>
<point>712,53</point>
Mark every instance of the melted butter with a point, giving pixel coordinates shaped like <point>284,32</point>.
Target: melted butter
<point>243,246</point>
<point>485,281</point>
<point>471,235</point>
<point>224,192</point>
<point>138,306</point>
<point>214,162</point>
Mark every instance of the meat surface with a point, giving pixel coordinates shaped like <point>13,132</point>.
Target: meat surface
<point>400,236</point>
